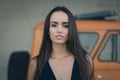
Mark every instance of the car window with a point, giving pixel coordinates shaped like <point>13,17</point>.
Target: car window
<point>88,40</point>
<point>118,48</point>
<point>111,51</point>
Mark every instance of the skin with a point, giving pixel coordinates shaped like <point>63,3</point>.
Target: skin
<point>59,31</point>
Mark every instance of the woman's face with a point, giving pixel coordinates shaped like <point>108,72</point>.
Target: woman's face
<point>59,27</point>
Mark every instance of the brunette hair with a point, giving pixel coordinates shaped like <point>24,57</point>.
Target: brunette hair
<point>73,45</point>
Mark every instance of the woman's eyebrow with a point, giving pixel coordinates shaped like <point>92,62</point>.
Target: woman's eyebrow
<point>57,22</point>
<point>65,23</point>
<point>54,22</point>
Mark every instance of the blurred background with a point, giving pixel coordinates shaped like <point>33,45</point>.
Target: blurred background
<point>19,17</point>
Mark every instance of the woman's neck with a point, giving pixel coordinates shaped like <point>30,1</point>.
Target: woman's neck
<point>59,51</point>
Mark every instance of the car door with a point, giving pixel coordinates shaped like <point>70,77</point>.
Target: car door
<point>107,58</point>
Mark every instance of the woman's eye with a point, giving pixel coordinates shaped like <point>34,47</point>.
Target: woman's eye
<point>66,26</point>
<point>53,25</point>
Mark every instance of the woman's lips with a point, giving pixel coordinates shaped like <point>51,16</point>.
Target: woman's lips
<point>59,36</point>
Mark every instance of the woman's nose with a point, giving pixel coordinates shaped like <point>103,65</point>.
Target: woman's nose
<point>59,30</point>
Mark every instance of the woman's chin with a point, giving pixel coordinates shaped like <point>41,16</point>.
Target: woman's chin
<point>59,42</point>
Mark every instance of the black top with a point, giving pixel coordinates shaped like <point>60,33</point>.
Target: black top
<point>47,73</point>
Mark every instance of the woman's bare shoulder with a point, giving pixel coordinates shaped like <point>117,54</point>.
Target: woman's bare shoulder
<point>32,69</point>
<point>91,66</point>
<point>88,57</point>
<point>33,61</point>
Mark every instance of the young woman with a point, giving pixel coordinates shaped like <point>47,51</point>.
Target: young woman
<point>61,56</point>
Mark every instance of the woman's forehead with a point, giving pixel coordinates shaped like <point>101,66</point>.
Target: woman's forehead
<point>59,16</point>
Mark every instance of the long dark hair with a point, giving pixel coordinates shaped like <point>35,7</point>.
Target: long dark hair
<point>73,45</point>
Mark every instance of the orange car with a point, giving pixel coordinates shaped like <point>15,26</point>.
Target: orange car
<point>101,39</point>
